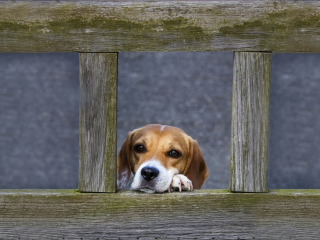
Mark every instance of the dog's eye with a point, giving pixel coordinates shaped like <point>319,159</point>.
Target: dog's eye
<point>140,148</point>
<point>174,154</point>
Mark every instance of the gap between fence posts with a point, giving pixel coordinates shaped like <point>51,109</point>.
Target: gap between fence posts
<point>98,122</point>
<point>250,122</point>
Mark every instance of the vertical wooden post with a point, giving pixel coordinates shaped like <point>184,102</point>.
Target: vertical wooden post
<point>250,122</point>
<point>98,122</point>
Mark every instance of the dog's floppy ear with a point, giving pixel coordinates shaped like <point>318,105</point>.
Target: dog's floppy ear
<point>196,169</point>
<point>123,163</point>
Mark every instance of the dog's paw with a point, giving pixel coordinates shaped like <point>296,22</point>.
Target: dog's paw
<point>180,182</point>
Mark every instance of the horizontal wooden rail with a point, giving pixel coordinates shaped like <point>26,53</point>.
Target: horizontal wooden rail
<point>188,25</point>
<point>204,214</point>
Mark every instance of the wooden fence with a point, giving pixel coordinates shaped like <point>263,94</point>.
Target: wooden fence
<point>98,30</point>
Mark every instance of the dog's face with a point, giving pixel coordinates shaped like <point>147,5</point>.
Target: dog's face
<point>155,154</point>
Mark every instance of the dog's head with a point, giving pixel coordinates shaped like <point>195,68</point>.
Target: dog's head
<point>155,153</point>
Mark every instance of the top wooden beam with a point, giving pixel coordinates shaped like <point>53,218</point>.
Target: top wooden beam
<point>116,26</point>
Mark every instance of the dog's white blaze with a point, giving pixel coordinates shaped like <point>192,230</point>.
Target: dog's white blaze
<point>162,127</point>
<point>162,182</point>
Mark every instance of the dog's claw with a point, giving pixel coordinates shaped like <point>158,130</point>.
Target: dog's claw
<point>190,187</point>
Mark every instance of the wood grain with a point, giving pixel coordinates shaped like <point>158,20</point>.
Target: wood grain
<point>203,214</point>
<point>191,25</point>
<point>250,122</point>
<point>98,122</point>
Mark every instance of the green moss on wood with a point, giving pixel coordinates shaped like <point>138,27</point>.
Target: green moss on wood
<point>287,25</point>
<point>202,213</point>
<point>298,192</point>
<point>39,214</point>
<point>275,23</point>
<point>152,26</point>
<point>118,29</point>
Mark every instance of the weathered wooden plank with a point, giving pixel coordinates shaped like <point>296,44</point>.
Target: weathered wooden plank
<point>203,214</point>
<point>116,26</point>
<point>98,122</point>
<point>250,122</point>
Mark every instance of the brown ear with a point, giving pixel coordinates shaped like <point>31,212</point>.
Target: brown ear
<point>123,163</point>
<point>196,169</point>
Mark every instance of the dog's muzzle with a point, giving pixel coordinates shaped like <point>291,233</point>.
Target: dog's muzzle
<point>152,177</point>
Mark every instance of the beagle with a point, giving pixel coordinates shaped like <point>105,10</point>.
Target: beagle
<point>162,158</point>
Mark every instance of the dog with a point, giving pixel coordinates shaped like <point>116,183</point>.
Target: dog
<point>162,158</point>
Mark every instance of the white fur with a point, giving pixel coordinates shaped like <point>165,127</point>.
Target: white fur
<point>162,127</point>
<point>182,182</point>
<point>159,184</point>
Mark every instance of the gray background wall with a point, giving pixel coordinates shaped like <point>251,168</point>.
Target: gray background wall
<point>39,97</point>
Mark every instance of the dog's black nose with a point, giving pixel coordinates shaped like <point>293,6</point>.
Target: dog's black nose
<point>149,173</point>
